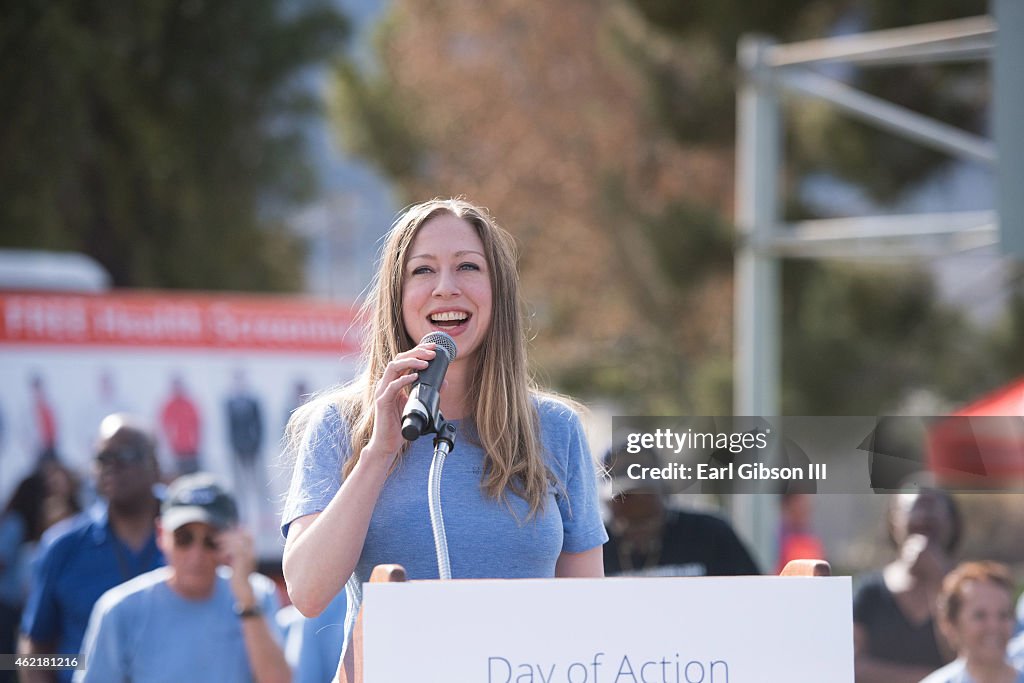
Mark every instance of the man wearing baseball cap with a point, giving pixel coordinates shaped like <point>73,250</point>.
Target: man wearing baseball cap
<point>206,616</point>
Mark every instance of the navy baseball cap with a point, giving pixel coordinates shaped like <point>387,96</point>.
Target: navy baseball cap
<point>198,498</point>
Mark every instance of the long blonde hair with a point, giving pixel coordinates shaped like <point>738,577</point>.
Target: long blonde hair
<point>501,409</point>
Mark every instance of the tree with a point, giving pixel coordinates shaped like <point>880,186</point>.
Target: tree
<point>856,339</point>
<point>533,112</point>
<point>160,137</point>
<point>603,139</point>
<point>687,51</point>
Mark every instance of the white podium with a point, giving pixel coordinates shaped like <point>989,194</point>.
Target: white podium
<point>615,630</point>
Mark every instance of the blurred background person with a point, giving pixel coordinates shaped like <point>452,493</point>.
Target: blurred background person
<point>96,551</point>
<point>245,436</point>
<point>977,617</point>
<point>313,644</point>
<point>896,635</point>
<point>180,425</point>
<point>40,502</point>
<point>21,524</point>
<point>42,421</point>
<point>62,498</point>
<point>797,540</point>
<point>648,537</point>
<point>206,617</point>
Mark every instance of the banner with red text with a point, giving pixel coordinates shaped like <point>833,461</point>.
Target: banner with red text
<point>215,375</point>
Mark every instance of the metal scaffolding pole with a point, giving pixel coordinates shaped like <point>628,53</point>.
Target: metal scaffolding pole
<point>757,274</point>
<point>767,72</point>
<point>1008,116</point>
<point>757,361</point>
<point>891,117</point>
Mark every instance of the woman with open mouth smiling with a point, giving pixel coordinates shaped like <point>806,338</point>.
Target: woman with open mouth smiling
<point>977,616</point>
<point>521,477</point>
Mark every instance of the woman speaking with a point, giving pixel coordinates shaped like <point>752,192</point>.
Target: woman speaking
<point>519,491</point>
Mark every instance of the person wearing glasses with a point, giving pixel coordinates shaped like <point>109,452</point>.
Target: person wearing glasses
<point>109,544</point>
<point>206,616</point>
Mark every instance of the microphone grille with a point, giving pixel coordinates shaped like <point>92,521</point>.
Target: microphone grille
<point>443,341</point>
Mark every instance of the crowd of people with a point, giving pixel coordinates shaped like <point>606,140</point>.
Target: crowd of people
<point>160,576</point>
<point>115,580</point>
<point>923,617</point>
<point>149,579</point>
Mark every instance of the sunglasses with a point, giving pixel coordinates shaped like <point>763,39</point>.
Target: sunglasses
<point>120,456</point>
<point>184,538</point>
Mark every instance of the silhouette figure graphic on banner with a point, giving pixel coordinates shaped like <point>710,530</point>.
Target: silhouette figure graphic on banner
<point>245,435</point>
<point>105,402</point>
<point>42,437</point>
<point>300,395</point>
<point>179,420</point>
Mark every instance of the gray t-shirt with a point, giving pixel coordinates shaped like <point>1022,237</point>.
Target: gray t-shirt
<point>143,632</point>
<point>485,538</point>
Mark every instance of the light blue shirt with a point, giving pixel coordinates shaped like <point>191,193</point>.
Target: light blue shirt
<point>487,538</point>
<point>144,632</point>
<point>14,554</point>
<point>313,645</point>
<point>956,672</point>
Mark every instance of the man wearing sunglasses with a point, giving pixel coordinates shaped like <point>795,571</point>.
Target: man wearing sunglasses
<point>106,546</point>
<point>205,617</point>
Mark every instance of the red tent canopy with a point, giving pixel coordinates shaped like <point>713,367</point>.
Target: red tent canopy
<point>1005,401</point>
<point>981,439</point>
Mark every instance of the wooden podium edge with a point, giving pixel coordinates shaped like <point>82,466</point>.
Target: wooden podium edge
<point>350,669</point>
<point>806,568</point>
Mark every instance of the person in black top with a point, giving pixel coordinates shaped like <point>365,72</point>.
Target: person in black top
<point>896,636</point>
<point>646,537</point>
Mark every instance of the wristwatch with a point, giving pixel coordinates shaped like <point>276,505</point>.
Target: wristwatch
<point>248,612</point>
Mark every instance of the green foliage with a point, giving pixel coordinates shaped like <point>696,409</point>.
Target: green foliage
<point>1005,342</point>
<point>160,137</point>
<point>375,128</point>
<point>857,339</point>
<point>690,243</point>
<point>687,57</point>
<point>661,369</point>
<point>643,375</point>
<point>884,164</point>
<point>683,83</point>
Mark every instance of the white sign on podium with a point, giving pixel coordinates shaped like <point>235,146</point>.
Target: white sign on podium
<point>642,630</point>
